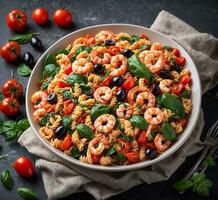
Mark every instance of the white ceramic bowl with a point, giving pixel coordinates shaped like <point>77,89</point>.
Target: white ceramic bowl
<point>131,29</point>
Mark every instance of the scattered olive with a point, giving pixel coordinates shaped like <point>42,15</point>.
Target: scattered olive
<point>156,90</point>
<point>121,95</point>
<point>151,153</point>
<point>165,74</point>
<point>28,59</point>
<point>99,69</point>
<point>109,42</point>
<point>36,43</point>
<point>117,81</point>
<point>60,132</point>
<point>52,98</point>
<point>127,53</point>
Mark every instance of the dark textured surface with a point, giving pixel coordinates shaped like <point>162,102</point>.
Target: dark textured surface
<point>203,15</point>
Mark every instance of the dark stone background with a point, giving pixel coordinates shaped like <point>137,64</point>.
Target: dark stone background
<point>203,15</point>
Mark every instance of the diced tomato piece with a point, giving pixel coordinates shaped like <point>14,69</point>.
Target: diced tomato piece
<point>114,50</point>
<point>68,107</point>
<point>66,143</point>
<point>180,61</point>
<point>177,88</point>
<point>185,79</point>
<point>133,157</point>
<point>142,138</point>
<point>107,81</point>
<point>83,118</point>
<point>96,158</point>
<point>68,70</point>
<point>91,41</point>
<point>63,84</point>
<point>128,83</point>
<point>166,61</point>
<point>144,36</point>
<point>125,145</point>
<point>176,52</point>
<point>183,122</point>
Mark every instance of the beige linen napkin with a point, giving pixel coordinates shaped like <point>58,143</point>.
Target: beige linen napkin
<point>62,179</point>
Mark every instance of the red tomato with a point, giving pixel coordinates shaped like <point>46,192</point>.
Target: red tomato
<point>180,61</point>
<point>10,51</point>
<point>12,88</point>
<point>128,83</point>
<point>66,143</point>
<point>144,36</point>
<point>176,52</point>
<point>16,20</point>
<point>83,118</point>
<point>62,17</point>
<point>133,157</point>
<point>114,50</point>
<point>125,145</point>
<point>96,158</point>
<point>166,61</point>
<point>24,167</point>
<point>185,79</point>
<point>63,84</point>
<point>142,138</point>
<point>9,106</point>
<point>40,16</point>
<point>177,88</point>
<point>68,107</point>
<point>107,81</point>
<point>183,122</point>
<point>68,70</point>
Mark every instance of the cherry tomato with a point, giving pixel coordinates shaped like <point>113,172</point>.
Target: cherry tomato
<point>40,16</point>
<point>185,79</point>
<point>142,138</point>
<point>62,17</point>
<point>107,81</point>
<point>9,106</point>
<point>66,143</point>
<point>12,88</point>
<point>114,50</point>
<point>180,61</point>
<point>124,144</point>
<point>68,70</point>
<point>144,36</point>
<point>63,84</point>
<point>177,88</point>
<point>68,107</point>
<point>96,158</point>
<point>176,52</point>
<point>133,157</point>
<point>128,83</point>
<point>16,20</point>
<point>10,51</point>
<point>24,167</point>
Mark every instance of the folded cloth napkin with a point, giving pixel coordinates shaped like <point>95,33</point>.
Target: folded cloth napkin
<point>62,179</point>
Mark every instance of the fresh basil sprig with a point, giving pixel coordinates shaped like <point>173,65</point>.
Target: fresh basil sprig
<point>26,193</point>
<point>23,38</point>
<point>7,180</point>
<point>23,70</point>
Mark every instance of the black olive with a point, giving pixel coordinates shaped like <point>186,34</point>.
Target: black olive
<point>174,66</point>
<point>165,74</point>
<point>121,95</point>
<point>52,98</point>
<point>156,90</point>
<point>36,43</point>
<point>99,69</point>
<point>116,81</point>
<point>60,132</point>
<point>127,53</point>
<point>109,42</point>
<point>28,59</point>
<point>151,153</point>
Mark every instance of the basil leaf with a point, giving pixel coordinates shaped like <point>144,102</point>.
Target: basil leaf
<point>98,110</point>
<point>50,70</point>
<point>23,38</point>
<point>168,48</point>
<point>23,70</point>
<point>168,131</point>
<point>86,89</point>
<point>111,151</point>
<point>208,162</point>
<point>62,51</point>
<point>72,59</point>
<point>76,78</point>
<point>134,38</point>
<point>23,124</point>
<point>85,131</point>
<point>183,185</point>
<point>66,121</point>
<point>185,94</point>
<point>44,120</point>
<point>26,193</point>
<point>121,157</point>
<point>144,47</point>
<point>1,95</point>
<point>125,137</point>
<point>45,84</point>
<point>7,180</point>
<point>139,122</point>
<point>50,59</point>
<point>74,152</point>
<point>137,68</point>
<point>68,95</point>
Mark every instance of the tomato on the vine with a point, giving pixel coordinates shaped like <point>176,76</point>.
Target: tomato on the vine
<point>62,17</point>
<point>16,20</point>
<point>12,88</point>
<point>40,16</point>
<point>9,106</point>
<point>10,51</point>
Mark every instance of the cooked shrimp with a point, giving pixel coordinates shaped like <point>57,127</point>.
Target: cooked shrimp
<point>145,99</point>
<point>46,132</point>
<point>105,123</point>
<point>104,35</point>
<point>161,143</point>
<point>132,93</point>
<point>164,85</point>
<point>39,98</point>
<point>62,59</point>
<point>39,114</point>
<point>148,57</point>
<point>125,111</point>
<point>100,56</point>
<point>123,44</point>
<point>103,94</point>
<point>81,40</point>
<point>121,35</point>
<point>82,66</point>
<point>156,46</point>
<point>139,43</point>
<point>119,65</point>
<point>96,146</point>
<point>83,54</point>
<point>157,66</point>
<point>153,116</point>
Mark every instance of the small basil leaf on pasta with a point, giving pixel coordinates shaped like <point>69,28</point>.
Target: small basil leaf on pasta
<point>66,120</point>
<point>85,131</point>
<point>50,59</point>
<point>86,89</point>
<point>168,131</point>
<point>111,151</point>
<point>62,51</point>
<point>76,78</point>
<point>139,122</point>
<point>98,110</point>
<point>50,70</point>
<point>75,152</point>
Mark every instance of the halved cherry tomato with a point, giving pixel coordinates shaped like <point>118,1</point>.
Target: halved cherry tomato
<point>40,16</point>
<point>132,157</point>
<point>68,107</point>
<point>68,70</point>
<point>183,122</point>
<point>9,106</point>
<point>63,84</point>
<point>166,61</point>
<point>96,158</point>
<point>83,118</point>
<point>24,167</point>
<point>142,138</point>
<point>66,143</point>
<point>62,17</point>
<point>107,81</point>
<point>176,52</point>
<point>185,79</point>
<point>16,20</point>
<point>114,50</point>
<point>128,83</point>
<point>125,145</point>
<point>12,88</point>
<point>180,61</point>
<point>177,88</point>
<point>144,36</point>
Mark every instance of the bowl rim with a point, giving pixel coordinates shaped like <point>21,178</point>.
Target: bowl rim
<point>116,168</point>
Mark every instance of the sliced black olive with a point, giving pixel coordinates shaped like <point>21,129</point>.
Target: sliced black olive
<point>127,53</point>
<point>36,43</point>
<point>99,69</point>
<point>116,81</point>
<point>156,90</point>
<point>109,42</point>
<point>151,153</point>
<point>52,98</point>
<point>121,95</point>
<point>28,59</point>
<point>165,74</point>
<point>60,132</point>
